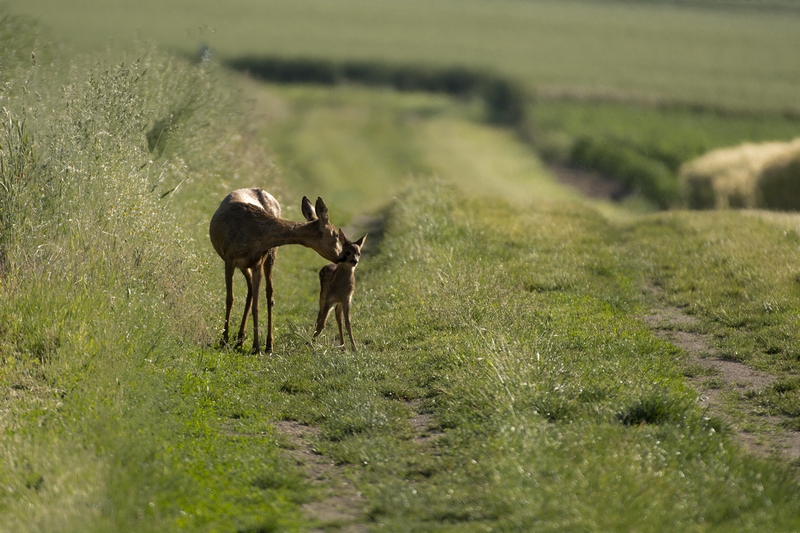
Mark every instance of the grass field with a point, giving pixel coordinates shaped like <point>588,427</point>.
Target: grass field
<point>739,54</point>
<point>508,378</point>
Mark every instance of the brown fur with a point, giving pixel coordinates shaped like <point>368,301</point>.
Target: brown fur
<point>337,283</point>
<point>246,230</point>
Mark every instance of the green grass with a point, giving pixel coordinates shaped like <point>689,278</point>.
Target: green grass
<point>497,302</point>
<point>559,408</point>
<point>552,265</point>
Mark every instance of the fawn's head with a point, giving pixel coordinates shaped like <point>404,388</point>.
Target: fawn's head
<point>328,243</point>
<point>351,250</point>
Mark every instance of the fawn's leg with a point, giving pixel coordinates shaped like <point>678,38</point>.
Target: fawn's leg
<point>247,303</point>
<point>342,344</point>
<point>346,306</point>
<point>322,316</point>
<point>269,262</point>
<point>229,270</point>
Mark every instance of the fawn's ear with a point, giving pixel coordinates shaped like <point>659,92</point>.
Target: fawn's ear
<point>360,242</point>
<point>308,209</point>
<point>322,210</point>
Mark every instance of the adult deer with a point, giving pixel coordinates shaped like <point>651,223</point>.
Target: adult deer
<point>246,230</point>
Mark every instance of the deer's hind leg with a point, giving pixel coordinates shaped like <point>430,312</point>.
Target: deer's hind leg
<point>269,262</point>
<point>247,305</point>
<point>229,271</point>
<point>322,316</point>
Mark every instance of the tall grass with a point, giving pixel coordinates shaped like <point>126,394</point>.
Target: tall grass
<point>105,301</point>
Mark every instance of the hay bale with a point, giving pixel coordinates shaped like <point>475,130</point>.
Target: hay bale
<point>744,176</point>
<point>779,181</point>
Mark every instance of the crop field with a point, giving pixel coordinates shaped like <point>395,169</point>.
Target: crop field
<point>530,359</point>
<point>741,54</point>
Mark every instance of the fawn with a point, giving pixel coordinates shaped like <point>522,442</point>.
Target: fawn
<point>246,230</point>
<point>336,285</point>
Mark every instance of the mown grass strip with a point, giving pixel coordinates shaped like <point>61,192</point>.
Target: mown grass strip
<point>558,407</point>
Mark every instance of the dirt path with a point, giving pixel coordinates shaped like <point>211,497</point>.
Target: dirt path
<point>720,382</point>
<point>342,508</point>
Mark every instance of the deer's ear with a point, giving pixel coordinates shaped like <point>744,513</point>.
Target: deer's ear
<point>360,242</point>
<point>322,210</point>
<point>308,209</point>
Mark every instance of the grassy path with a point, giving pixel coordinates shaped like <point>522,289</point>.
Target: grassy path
<point>494,265</point>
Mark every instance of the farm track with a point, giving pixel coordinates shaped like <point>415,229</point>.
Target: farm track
<point>343,507</point>
<point>722,379</point>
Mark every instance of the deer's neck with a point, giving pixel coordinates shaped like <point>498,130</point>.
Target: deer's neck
<point>285,232</point>
<point>345,271</point>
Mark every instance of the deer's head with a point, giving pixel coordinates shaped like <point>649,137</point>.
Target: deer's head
<point>328,243</point>
<point>351,250</point>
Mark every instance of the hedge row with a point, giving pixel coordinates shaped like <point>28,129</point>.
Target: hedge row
<point>505,100</point>
<point>638,172</point>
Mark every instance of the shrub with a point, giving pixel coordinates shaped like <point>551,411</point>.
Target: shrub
<point>635,171</point>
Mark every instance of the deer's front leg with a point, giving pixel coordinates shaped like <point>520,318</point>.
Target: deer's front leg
<point>342,344</point>
<point>256,271</point>
<point>268,264</point>
<point>348,324</point>
<point>322,317</point>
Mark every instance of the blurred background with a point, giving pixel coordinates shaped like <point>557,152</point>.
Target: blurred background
<point>617,97</point>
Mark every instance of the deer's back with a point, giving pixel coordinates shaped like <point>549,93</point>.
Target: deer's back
<point>239,221</point>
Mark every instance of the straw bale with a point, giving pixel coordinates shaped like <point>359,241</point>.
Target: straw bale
<point>765,175</point>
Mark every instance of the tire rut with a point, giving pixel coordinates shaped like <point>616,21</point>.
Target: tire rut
<point>719,379</point>
<point>343,508</point>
